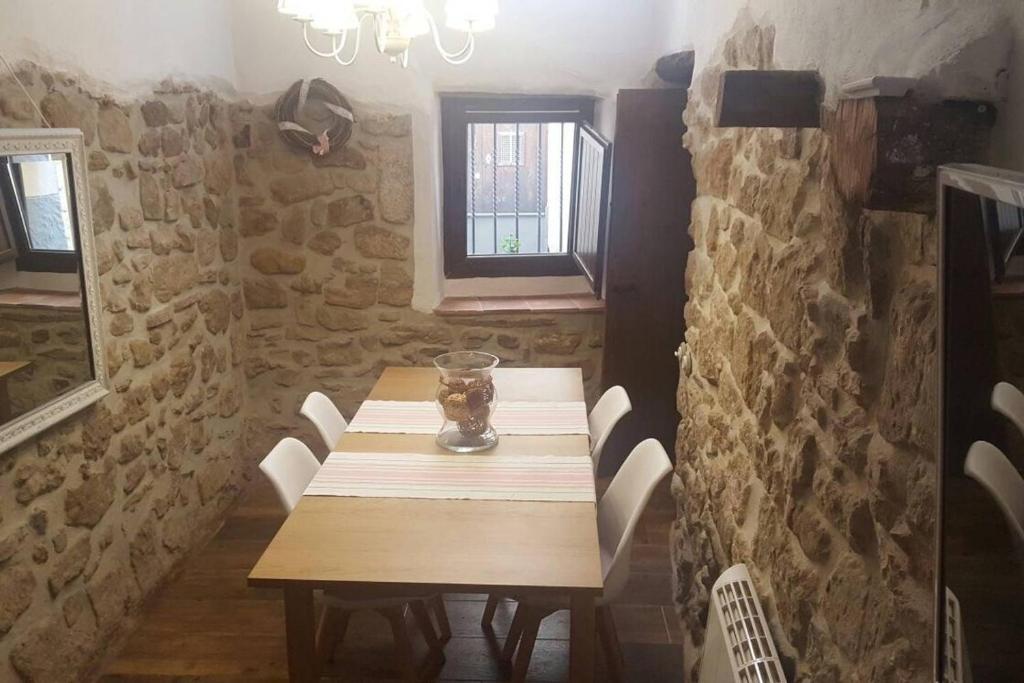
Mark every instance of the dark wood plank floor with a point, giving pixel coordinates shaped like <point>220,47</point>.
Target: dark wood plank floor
<point>207,625</point>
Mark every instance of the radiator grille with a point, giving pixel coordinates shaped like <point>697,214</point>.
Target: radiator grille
<point>954,668</point>
<point>747,639</point>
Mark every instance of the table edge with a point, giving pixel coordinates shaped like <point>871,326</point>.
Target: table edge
<point>313,584</point>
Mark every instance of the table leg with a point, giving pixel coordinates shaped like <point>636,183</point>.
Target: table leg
<point>303,664</point>
<point>581,638</point>
<point>5,401</point>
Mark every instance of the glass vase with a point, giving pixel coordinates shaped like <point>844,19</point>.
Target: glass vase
<point>466,399</point>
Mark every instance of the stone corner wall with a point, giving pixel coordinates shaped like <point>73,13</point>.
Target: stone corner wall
<point>327,256</point>
<point>236,275</point>
<point>96,511</point>
<point>806,448</point>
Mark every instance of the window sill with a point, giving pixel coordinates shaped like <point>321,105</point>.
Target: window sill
<point>29,298</point>
<point>478,305</point>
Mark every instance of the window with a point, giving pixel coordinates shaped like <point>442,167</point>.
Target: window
<point>37,212</point>
<point>510,144</point>
<point>513,185</point>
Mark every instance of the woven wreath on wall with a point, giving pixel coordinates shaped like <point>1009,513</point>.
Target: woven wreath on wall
<point>313,116</point>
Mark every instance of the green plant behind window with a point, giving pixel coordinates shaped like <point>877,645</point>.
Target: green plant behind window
<point>511,244</point>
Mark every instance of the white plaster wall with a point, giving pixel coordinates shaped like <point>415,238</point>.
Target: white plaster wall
<point>847,40</point>
<point>1008,142</point>
<point>127,44</point>
<point>539,46</point>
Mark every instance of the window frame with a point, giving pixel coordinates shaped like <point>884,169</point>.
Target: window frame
<point>26,258</point>
<point>457,112</point>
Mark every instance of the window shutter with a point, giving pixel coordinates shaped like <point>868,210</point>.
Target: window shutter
<point>590,204</point>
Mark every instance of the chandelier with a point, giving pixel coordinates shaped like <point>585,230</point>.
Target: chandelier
<point>394,23</point>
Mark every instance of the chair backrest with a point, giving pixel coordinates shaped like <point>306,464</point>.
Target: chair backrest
<point>290,466</point>
<point>992,469</point>
<point>609,409</point>
<point>621,506</point>
<point>1008,400</point>
<point>325,416</point>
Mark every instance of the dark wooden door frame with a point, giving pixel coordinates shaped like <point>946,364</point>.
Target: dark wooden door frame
<point>647,245</point>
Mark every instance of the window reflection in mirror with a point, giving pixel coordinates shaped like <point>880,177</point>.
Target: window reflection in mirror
<point>44,341</point>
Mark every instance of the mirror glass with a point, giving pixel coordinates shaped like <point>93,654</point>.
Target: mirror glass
<point>44,340</point>
<point>981,585</point>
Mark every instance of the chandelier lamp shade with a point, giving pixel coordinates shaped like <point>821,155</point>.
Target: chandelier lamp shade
<point>394,24</point>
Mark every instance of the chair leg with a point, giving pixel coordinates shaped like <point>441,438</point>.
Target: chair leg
<point>529,637</point>
<point>444,627</point>
<point>403,643</point>
<point>422,616</point>
<point>331,631</point>
<point>610,643</point>
<point>514,631</point>
<point>487,620</point>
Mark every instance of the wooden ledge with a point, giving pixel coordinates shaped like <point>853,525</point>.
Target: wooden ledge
<point>770,99</point>
<point>32,298</point>
<point>1011,288</point>
<point>479,305</point>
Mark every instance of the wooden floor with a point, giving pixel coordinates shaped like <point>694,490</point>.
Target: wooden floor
<point>985,570</point>
<point>207,625</point>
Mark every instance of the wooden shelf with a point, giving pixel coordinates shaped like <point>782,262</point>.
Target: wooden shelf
<point>1008,289</point>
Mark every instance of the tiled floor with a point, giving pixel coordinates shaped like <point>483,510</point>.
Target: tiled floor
<point>207,625</point>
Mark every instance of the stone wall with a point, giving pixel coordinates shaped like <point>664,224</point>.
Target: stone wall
<point>328,273</point>
<point>96,511</point>
<point>236,276</point>
<point>806,448</point>
<point>54,342</point>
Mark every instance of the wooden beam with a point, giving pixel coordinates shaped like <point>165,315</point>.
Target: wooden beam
<point>886,150</point>
<point>770,99</point>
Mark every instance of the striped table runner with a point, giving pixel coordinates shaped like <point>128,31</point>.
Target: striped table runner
<point>510,417</point>
<point>477,477</point>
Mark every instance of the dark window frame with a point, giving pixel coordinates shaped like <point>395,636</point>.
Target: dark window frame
<point>29,259</point>
<point>457,112</point>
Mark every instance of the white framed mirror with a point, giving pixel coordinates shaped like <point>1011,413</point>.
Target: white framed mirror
<point>52,362</point>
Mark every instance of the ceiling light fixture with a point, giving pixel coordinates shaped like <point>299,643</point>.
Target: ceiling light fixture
<point>394,22</point>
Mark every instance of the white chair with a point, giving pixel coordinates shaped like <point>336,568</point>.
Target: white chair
<point>609,409</point>
<point>290,466</point>
<point>618,513</point>
<point>987,465</point>
<point>1008,400</point>
<point>326,417</point>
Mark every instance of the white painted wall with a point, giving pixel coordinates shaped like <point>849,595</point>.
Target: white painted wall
<point>126,44</point>
<point>539,46</point>
<point>846,40</point>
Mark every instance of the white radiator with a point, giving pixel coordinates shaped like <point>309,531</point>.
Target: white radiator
<point>738,646</point>
<point>957,667</point>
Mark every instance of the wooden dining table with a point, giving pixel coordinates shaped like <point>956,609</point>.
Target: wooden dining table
<point>460,546</point>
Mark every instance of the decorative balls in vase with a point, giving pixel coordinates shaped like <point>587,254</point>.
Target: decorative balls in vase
<point>466,399</point>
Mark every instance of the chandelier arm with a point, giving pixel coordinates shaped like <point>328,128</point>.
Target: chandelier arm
<point>378,33</point>
<point>336,47</point>
<point>355,51</point>
<point>461,56</point>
